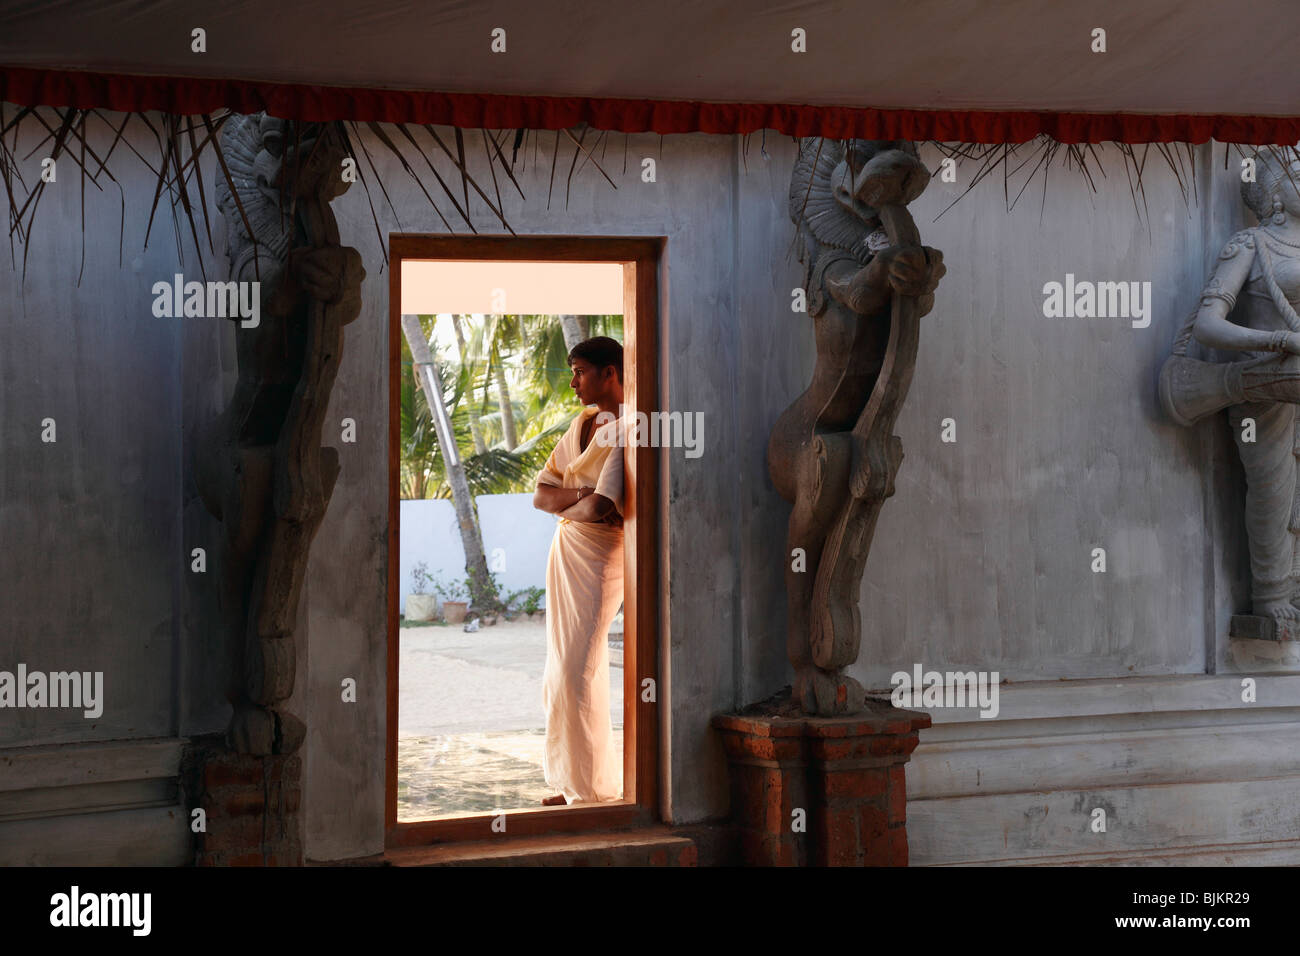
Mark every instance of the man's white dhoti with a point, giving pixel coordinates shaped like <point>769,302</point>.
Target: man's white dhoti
<point>584,588</point>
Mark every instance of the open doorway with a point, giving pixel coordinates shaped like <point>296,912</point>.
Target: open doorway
<point>495,318</point>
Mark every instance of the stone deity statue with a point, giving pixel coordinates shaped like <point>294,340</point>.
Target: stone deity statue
<point>260,467</point>
<point>832,453</point>
<point>1249,307</point>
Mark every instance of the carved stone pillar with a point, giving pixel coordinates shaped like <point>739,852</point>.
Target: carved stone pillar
<point>832,454</point>
<point>262,471</point>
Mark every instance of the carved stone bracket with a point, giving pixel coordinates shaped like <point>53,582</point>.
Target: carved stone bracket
<point>832,453</point>
<point>260,466</point>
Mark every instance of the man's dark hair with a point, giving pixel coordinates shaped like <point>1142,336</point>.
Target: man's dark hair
<point>600,352</point>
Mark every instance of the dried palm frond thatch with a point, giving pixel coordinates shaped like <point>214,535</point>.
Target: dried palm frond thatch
<point>1084,161</point>
<point>182,142</point>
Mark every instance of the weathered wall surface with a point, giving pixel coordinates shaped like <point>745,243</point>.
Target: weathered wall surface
<point>693,204</point>
<point>90,523</point>
<point>982,559</point>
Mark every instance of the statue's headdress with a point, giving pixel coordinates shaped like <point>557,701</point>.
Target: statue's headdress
<point>1272,168</point>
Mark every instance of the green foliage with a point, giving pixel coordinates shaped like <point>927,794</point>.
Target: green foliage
<point>530,351</point>
<point>528,601</point>
<point>486,598</point>
<point>454,590</point>
<point>422,580</point>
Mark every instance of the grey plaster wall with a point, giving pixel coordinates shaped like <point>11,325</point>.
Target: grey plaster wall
<point>694,204</point>
<point>90,534</point>
<point>99,526</point>
<point>981,559</point>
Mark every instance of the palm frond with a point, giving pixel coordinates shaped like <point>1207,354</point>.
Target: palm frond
<point>183,142</point>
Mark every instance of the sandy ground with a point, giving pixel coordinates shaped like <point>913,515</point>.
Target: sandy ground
<point>490,680</point>
<point>470,722</point>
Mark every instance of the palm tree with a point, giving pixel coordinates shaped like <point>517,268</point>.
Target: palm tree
<point>471,535</point>
<point>479,445</point>
<point>419,440</point>
<point>546,357</point>
<point>575,328</point>
<point>442,457</point>
<point>504,340</point>
<point>498,470</point>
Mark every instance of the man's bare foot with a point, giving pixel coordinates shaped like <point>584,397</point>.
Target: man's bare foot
<point>555,801</point>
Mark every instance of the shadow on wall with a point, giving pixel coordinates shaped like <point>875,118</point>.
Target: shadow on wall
<point>516,538</point>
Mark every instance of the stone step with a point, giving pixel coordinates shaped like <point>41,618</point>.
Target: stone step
<point>651,846</point>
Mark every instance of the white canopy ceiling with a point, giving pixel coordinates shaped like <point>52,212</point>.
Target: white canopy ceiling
<point>1162,56</point>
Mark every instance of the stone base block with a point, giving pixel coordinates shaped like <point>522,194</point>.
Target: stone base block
<point>1252,627</point>
<point>1183,769</point>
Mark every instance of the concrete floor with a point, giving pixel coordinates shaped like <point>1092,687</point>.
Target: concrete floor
<point>470,722</point>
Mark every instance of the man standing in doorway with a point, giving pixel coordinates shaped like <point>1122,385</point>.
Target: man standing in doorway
<point>582,483</point>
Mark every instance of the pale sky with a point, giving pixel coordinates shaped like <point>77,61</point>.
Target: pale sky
<point>486,287</point>
<point>518,288</point>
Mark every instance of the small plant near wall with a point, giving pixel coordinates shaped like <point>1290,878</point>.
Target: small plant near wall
<point>453,590</point>
<point>455,598</point>
<point>526,603</point>
<point>487,600</point>
<point>532,600</point>
<point>422,579</point>
<point>420,603</point>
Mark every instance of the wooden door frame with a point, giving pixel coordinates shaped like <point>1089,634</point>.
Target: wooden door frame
<point>641,257</point>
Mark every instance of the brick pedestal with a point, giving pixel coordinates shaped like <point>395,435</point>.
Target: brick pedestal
<point>845,773</point>
<point>252,805</point>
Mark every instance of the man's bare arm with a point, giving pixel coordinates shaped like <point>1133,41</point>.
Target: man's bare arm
<point>592,509</point>
<point>554,500</point>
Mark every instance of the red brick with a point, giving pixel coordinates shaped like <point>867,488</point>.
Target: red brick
<point>836,819</point>
<point>838,842</point>
<point>764,849</point>
<point>863,782</point>
<point>288,855</point>
<point>836,749</point>
<point>233,833</point>
<point>873,824</point>
<point>753,848</point>
<point>236,803</point>
<point>897,801</point>
<point>747,795</point>
<point>898,726</point>
<point>779,802</point>
<point>231,771</point>
<point>891,850</point>
<point>774,748</point>
<point>789,854</point>
<point>893,744</point>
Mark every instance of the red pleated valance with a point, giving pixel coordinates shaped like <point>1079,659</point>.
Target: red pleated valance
<point>192,95</point>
